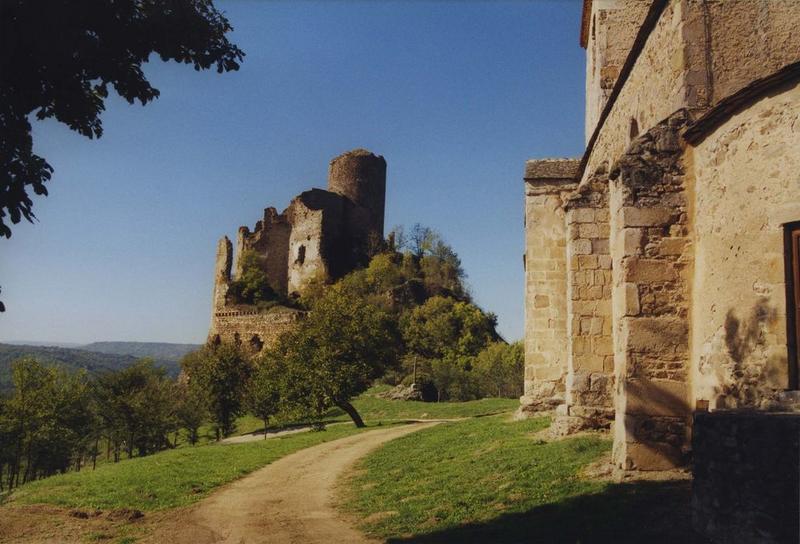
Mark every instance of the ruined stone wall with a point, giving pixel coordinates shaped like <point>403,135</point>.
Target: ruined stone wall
<point>545,293</point>
<point>222,273</point>
<point>652,255</point>
<point>612,29</point>
<point>590,362</point>
<point>250,328</point>
<point>747,185</point>
<point>317,244</point>
<point>270,239</point>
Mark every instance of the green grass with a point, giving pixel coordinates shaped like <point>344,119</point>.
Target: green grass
<point>167,479</point>
<point>490,480</point>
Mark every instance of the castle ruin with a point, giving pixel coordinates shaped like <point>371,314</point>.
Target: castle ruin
<point>322,234</point>
<point>662,267</point>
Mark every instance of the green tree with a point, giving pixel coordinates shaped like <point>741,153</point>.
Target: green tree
<point>138,408</point>
<point>445,326</point>
<point>192,410</point>
<point>499,369</point>
<point>336,352</point>
<point>252,285</point>
<point>263,395</point>
<point>223,372</point>
<point>60,58</point>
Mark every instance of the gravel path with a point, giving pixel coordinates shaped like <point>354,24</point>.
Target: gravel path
<point>288,501</point>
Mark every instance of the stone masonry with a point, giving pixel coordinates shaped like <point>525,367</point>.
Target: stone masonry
<point>663,267</point>
<point>322,235</point>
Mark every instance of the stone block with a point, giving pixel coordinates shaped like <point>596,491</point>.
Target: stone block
<point>646,217</point>
<point>541,301</point>
<point>581,215</point>
<point>581,246</point>
<point>648,270</point>
<point>632,241</point>
<point>657,335</point>
<point>631,306</point>
<point>656,398</point>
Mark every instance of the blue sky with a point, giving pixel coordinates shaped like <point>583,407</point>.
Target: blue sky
<point>455,95</point>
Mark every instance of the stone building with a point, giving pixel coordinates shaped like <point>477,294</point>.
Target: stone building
<point>322,234</point>
<point>661,265</point>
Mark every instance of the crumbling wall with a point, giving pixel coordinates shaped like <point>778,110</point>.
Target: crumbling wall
<point>651,257</point>
<point>548,182</point>
<point>747,185</point>
<point>270,239</point>
<point>590,362</point>
<point>317,243</point>
<point>250,328</point>
<point>222,273</point>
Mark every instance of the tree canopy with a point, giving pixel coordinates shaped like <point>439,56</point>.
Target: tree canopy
<point>59,60</point>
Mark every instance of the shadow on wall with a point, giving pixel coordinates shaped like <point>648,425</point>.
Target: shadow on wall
<point>754,372</point>
<point>623,513</point>
<point>744,337</point>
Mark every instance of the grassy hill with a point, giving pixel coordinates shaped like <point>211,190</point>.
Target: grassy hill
<point>76,359</point>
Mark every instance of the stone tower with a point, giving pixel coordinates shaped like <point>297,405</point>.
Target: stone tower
<point>361,177</point>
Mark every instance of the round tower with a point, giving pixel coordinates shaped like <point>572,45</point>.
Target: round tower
<point>360,175</point>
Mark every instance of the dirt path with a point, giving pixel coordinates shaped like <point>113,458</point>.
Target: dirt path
<point>288,501</point>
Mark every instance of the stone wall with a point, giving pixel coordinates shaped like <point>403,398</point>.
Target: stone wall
<point>548,182</point>
<point>748,181</point>
<point>590,361</point>
<point>749,39</point>
<point>746,472</point>
<point>250,328</point>
<point>612,28</point>
<point>651,258</point>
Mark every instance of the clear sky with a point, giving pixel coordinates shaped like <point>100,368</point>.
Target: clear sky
<point>456,95</point>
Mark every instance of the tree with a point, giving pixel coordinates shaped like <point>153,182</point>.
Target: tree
<point>444,326</point>
<point>192,409</point>
<point>263,396</point>
<point>223,372</point>
<point>336,352</point>
<point>252,285</point>
<point>499,368</point>
<point>60,58</point>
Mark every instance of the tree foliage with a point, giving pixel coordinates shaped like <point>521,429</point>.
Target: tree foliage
<point>59,60</point>
<point>252,285</point>
<point>222,372</point>
<point>336,352</point>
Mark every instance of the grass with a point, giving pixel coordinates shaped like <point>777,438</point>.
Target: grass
<point>168,479</point>
<point>490,480</point>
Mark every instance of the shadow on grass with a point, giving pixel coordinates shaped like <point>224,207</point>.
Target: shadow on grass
<point>639,512</point>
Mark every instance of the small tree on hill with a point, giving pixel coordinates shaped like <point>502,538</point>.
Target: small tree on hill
<point>222,372</point>
<point>336,352</point>
<point>263,395</point>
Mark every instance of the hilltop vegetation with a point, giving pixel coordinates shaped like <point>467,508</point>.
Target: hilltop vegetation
<point>158,351</point>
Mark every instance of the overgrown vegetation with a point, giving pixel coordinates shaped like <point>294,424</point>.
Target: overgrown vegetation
<point>492,480</point>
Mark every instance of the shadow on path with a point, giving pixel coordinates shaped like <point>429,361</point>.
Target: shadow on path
<point>635,512</point>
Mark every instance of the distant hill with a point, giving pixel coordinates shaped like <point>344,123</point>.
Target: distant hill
<point>94,357</point>
<point>160,351</point>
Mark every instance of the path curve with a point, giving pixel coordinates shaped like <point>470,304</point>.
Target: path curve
<point>288,501</point>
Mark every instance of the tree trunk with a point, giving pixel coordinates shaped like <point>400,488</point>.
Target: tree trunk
<point>265,428</point>
<point>351,411</point>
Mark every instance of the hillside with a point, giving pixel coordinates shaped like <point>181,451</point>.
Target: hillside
<point>160,351</point>
<point>72,359</point>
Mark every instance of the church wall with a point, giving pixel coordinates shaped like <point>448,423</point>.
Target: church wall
<point>545,294</point>
<point>747,185</point>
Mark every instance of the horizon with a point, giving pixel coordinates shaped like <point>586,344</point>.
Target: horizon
<point>455,97</point>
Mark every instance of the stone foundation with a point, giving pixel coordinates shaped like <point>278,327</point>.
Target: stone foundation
<point>747,477</point>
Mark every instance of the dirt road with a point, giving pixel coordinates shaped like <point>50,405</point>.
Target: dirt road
<point>289,501</point>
